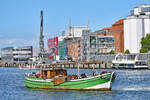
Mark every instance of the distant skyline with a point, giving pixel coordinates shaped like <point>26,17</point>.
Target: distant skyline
<point>20,19</point>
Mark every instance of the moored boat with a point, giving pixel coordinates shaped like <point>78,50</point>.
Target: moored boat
<point>58,79</point>
<point>122,62</point>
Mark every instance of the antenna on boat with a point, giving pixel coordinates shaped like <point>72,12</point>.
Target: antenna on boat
<point>78,70</point>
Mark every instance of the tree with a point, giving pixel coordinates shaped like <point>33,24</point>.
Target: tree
<point>143,50</point>
<point>127,51</point>
<point>145,42</point>
<point>112,52</point>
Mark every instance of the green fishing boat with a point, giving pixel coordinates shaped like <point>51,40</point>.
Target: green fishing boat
<point>58,79</point>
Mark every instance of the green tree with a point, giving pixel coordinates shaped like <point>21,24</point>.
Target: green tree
<point>127,51</point>
<point>112,52</point>
<point>143,50</point>
<point>145,42</point>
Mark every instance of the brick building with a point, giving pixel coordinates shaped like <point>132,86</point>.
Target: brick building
<point>117,31</point>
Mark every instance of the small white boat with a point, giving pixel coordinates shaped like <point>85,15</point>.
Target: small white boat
<point>121,61</point>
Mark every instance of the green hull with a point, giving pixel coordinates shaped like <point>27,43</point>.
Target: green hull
<point>91,83</point>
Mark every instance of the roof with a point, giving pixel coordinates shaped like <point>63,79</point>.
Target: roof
<point>118,22</point>
<point>115,26</point>
<point>107,28</point>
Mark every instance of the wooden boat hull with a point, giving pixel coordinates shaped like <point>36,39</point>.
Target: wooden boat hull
<point>100,82</point>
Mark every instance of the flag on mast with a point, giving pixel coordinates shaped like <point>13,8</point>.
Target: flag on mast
<point>88,22</point>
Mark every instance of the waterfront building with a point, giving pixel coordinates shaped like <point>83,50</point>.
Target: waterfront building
<point>136,26</point>
<point>16,55</point>
<point>88,46</point>
<point>116,31</point>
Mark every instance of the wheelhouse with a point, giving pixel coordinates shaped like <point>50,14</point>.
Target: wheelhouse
<point>50,73</point>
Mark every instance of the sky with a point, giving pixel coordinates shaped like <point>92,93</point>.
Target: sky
<point>20,19</point>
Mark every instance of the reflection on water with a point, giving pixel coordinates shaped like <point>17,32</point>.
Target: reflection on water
<point>128,85</point>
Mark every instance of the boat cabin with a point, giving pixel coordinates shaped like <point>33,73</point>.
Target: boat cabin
<point>51,73</point>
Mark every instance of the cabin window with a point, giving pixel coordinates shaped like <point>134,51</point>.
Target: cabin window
<point>130,64</point>
<point>122,65</point>
<point>140,64</point>
<point>115,64</point>
<point>46,73</point>
<point>59,72</point>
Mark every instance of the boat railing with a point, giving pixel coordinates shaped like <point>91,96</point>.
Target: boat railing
<point>125,57</point>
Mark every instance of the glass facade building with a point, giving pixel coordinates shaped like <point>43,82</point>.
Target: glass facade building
<point>16,54</point>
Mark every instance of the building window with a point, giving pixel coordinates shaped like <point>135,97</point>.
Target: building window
<point>92,41</point>
<point>147,9</point>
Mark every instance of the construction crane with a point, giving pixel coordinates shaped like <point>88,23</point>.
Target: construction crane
<point>41,42</point>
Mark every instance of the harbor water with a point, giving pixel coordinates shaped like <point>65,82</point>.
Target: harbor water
<point>128,85</point>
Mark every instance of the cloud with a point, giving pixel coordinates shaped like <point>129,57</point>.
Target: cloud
<point>9,41</point>
<point>30,41</point>
<point>13,41</point>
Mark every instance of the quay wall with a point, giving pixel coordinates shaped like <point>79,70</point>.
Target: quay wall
<point>84,65</point>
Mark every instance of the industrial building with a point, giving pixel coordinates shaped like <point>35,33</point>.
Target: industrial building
<point>136,26</point>
<point>16,55</point>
